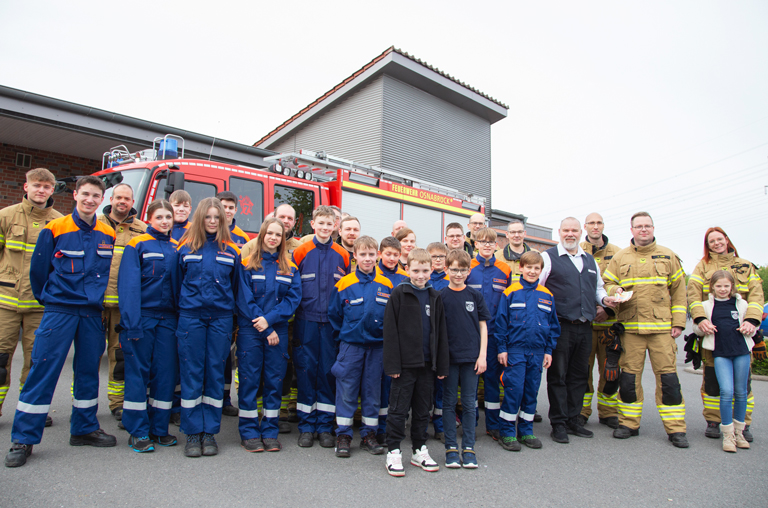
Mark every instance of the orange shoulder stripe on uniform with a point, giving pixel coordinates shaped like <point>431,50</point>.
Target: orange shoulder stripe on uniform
<point>302,250</point>
<point>62,225</point>
<point>400,271</point>
<point>379,277</point>
<point>347,281</point>
<point>174,242</point>
<point>544,290</point>
<point>504,267</point>
<point>237,249</point>
<point>141,238</point>
<point>244,261</point>
<point>474,263</point>
<point>341,250</point>
<point>292,265</point>
<point>514,287</point>
<point>104,228</point>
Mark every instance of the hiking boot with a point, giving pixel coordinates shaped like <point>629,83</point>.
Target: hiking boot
<point>531,441</point>
<point>369,443</point>
<point>421,458</point>
<point>175,419</point>
<point>381,439</point>
<point>141,444</point>
<point>624,432</point>
<point>271,444</point>
<point>306,440</point>
<point>582,420</point>
<point>395,463</point>
<point>326,440</point>
<point>452,459</point>
<point>210,447</point>
<point>167,440</point>
<point>559,434</point>
<point>343,443</point>
<point>118,414</point>
<point>97,438</point>
<point>253,445</point>
<point>469,459</point>
<point>510,443</point>
<point>610,421</point>
<point>283,427</point>
<point>17,455</point>
<point>678,439</point>
<point>494,433</point>
<point>229,410</point>
<point>48,421</point>
<point>713,430</point>
<point>575,428</point>
<point>193,448</point>
<point>537,417</point>
<point>747,434</point>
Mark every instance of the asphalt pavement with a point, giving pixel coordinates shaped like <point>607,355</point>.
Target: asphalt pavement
<point>602,471</point>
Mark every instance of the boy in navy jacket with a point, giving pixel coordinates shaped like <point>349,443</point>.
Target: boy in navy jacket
<point>526,332</point>
<point>356,313</point>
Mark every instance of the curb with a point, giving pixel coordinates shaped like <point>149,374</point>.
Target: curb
<point>700,372</point>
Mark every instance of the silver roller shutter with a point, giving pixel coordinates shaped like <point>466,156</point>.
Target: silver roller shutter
<point>425,223</point>
<point>376,215</point>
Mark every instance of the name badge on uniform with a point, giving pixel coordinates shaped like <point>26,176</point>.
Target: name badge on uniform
<point>470,306</point>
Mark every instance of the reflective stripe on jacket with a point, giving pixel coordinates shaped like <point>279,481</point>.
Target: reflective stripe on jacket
<point>268,292</point>
<point>321,266</point>
<point>527,319</point>
<point>125,231</point>
<point>357,306</point>
<point>209,279</point>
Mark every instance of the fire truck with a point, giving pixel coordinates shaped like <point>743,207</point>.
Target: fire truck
<point>304,180</point>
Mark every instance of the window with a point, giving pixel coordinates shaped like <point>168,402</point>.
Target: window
<point>136,178</point>
<point>303,201</point>
<point>23,160</point>
<point>250,209</point>
<point>197,191</point>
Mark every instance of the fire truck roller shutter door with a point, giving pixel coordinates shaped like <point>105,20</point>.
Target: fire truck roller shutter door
<point>376,215</point>
<point>426,223</point>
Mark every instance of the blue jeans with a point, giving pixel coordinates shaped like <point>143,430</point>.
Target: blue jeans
<point>732,376</point>
<point>460,374</point>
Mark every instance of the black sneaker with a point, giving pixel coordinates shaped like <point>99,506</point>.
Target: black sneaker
<point>537,417</point>
<point>306,440</point>
<point>210,448</point>
<point>229,410</point>
<point>582,420</point>
<point>510,443</point>
<point>747,434</point>
<point>97,438</point>
<point>326,440</point>
<point>610,421</point>
<point>253,445</point>
<point>575,428</point>
<point>381,439</point>
<point>141,444</point>
<point>283,427</point>
<point>271,444</point>
<point>678,439</point>
<point>343,443</point>
<point>194,447</point>
<point>118,414</point>
<point>559,434</point>
<point>531,441</point>
<point>713,430</point>
<point>175,419</point>
<point>120,425</point>
<point>624,432</point>
<point>168,440</point>
<point>48,421</point>
<point>440,436</point>
<point>17,455</point>
<point>494,433</point>
<point>371,445</point>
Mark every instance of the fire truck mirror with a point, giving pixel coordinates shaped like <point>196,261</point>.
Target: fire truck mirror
<point>175,182</point>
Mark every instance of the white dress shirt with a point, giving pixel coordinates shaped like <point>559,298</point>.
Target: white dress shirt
<point>578,262</point>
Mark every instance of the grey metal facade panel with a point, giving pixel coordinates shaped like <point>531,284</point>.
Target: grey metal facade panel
<point>431,139</point>
<point>351,129</point>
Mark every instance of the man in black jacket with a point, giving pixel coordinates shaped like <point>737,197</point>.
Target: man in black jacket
<point>415,350</point>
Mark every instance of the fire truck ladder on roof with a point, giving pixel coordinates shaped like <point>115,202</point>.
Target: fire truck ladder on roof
<point>323,167</point>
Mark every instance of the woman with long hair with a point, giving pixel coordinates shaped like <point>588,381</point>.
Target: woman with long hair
<point>720,254</point>
<point>210,272</point>
<point>271,291</point>
<point>147,287</point>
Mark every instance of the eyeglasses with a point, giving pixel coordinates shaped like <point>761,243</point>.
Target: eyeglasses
<point>593,224</point>
<point>487,244</point>
<point>642,227</point>
<point>438,257</point>
<point>477,223</point>
<point>454,237</point>
<point>516,232</point>
<point>458,271</point>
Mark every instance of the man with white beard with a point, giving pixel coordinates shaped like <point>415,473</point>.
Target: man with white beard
<point>574,279</point>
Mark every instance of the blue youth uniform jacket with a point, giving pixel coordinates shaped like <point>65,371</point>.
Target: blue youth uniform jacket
<point>268,292</point>
<point>178,229</point>
<point>526,319</point>
<point>439,280</point>
<point>148,281</point>
<point>209,279</point>
<point>357,308</point>
<point>395,276</point>
<point>321,266</point>
<point>71,262</point>
<point>491,280</point>
<point>239,237</point>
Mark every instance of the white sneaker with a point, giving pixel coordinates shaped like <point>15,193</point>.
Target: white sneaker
<point>422,459</point>
<point>395,463</point>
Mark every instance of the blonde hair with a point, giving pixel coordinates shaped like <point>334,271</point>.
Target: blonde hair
<point>486,235</point>
<point>195,236</point>
<point>254,261</point>
<point>41,175</point>
<point>419,256</point>
<point>364,242</point>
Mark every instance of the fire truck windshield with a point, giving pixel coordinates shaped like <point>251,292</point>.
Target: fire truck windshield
<point>136,178</point>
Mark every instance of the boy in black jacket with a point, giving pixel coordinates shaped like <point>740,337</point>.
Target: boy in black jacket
<point>415,350</point>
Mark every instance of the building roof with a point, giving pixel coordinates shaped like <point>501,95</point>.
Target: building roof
<point>407,68</point>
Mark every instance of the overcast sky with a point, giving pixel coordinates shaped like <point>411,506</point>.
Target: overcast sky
<point>614,107</point>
